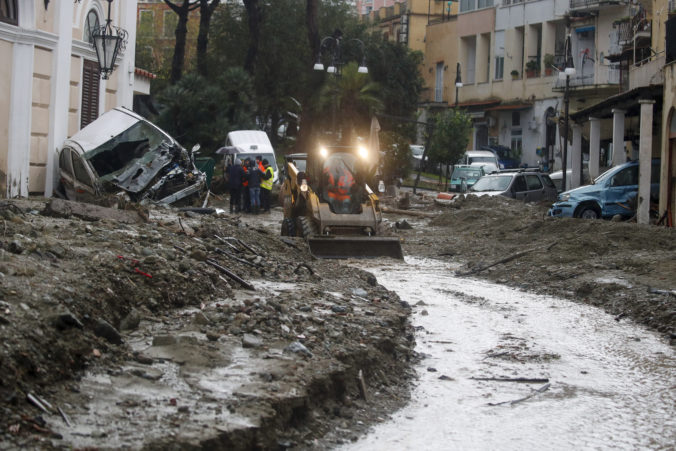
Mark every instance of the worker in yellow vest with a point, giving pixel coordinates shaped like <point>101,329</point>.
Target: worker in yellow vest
<point>266,185</point>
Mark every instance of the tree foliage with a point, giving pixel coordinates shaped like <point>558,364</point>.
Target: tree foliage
<point>396,161</point>
<point>450,136</point>
<point>194,111</point>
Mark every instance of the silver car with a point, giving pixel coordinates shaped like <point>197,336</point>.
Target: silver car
<point>526,185</point>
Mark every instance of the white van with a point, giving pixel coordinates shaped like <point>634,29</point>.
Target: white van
<point>252,143</point>
<point>484,158</point>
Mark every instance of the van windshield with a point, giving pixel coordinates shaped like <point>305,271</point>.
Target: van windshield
<point>481,160</point>
<point>469,173</point>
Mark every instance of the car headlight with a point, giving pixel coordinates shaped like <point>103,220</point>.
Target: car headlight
<point>363,152</point>
<point>564,197</point>
<point>323,152</point>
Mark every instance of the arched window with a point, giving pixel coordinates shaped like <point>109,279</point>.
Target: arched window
<point>9,12</point>
<point>91,24</point>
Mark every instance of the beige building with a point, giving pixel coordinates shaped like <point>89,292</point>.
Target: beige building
<point>51,83</point>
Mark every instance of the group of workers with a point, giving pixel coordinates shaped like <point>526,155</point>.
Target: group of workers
<point>250,183</point>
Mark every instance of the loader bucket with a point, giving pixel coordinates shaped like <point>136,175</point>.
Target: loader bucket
<point>328,246</point>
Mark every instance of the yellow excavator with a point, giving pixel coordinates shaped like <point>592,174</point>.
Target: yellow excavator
<point>327,201</point>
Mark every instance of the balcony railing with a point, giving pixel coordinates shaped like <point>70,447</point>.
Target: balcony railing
<point>594,4</point>
<point>602,75</point>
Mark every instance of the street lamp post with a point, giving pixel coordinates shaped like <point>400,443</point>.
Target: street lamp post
<point>108,41</point>
<point>568,72</point>
<point>458,83</point>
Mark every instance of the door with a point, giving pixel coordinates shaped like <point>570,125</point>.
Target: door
<point>83,181</point>
<point>535,191</point>
<point>520,188</point>
<point>620,194</point>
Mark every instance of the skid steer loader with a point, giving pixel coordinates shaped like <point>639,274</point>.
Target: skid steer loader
<point>327,201</point>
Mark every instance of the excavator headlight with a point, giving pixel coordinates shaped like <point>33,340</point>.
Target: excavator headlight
<point>303,185</point>
<point>323,152</point>
<point>363,152</point>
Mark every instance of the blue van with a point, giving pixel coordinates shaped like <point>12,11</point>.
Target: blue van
<point>611,193</point>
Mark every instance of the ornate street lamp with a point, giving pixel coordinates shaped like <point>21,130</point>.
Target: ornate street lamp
<point>458,84</point>
<point>108,41</point>
<point>565,74</point>
<point>332,43</point>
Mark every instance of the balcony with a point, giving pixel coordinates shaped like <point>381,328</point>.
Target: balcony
<point>592,5</point>
<point>602,76</point>
<point>648,73</point>
<point>630,38</point>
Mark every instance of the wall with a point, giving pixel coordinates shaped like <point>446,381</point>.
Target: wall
<point>40,124</point>
<point>6,49</point>
<point>440,47</point>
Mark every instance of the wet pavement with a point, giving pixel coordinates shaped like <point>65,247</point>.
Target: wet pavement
<point>597,383</point>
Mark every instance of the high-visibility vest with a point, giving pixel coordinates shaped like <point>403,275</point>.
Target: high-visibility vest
<point>267,184</point>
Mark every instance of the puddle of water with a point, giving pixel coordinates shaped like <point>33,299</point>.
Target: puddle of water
<point>611,384</point>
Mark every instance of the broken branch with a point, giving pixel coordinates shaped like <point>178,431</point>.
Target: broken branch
<point>231,274</point>
<point>542,389</point>
<point>408,212</point>
<point>523,380</point>
<point>505,260</point>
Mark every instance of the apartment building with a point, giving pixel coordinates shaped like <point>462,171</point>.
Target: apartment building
<point>51,84</point>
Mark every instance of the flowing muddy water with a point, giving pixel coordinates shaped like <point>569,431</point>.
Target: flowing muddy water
<point>611,384</point>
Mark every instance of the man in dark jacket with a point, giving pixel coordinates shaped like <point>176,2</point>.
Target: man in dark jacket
<point>254,177</point>
<point>235,177</point>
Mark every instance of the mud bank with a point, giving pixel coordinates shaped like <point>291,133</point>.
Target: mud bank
<point>118,335</point>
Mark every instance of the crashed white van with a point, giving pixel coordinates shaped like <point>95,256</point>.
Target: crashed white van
<point>249,144</point>
<point>124,154</point>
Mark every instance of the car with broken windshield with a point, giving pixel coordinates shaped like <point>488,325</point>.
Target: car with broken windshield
<point>523,184</point>
<point>123,154</point>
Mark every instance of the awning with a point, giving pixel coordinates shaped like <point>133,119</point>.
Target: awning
<point>583,29</point>
<point>627,101</point>
<point>484,104</point>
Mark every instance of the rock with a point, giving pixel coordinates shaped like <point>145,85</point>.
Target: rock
<point>201,319</point>
<point>66,320</point>
<point>131,321</point>
<point>105,330</point>
<point>164,340</point>
<point>371,280</point>
<point>251,341</point>
<point>198,255</point>
<point>359,292</point>
<point>431,369</point>
<point>424,313</point>
<point>403,225</point>
<point>617,218</point>
<point>298,348</point>
<point>339,309</point>
<point>140,358</point>
<point>211,336</point>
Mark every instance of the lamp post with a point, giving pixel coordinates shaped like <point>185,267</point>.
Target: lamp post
<point>108,41</point>
<point>568,72</point>
<point>458,84</point>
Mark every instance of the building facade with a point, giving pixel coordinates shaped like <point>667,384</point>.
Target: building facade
<point>51,82</point>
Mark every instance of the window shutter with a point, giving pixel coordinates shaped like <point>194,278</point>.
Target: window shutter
<point>90,93</point>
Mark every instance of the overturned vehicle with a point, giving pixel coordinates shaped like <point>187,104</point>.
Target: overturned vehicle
<point>125,155</point>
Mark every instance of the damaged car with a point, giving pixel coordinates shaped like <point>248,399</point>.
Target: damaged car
<point>123,154</point>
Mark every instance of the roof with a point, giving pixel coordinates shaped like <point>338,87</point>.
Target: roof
<point>144,73</point>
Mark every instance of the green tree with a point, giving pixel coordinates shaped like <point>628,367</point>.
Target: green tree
<point>194,111</point>
<point>353,98</point>
<point>396,161</point>
<point>449,138</point>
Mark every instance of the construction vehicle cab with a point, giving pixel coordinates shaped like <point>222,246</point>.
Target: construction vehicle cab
<point>332,206</point>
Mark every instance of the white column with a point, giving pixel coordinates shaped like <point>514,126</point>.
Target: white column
<point>576,156</point>
<point>19,133</point>
<point>594,146</point>
<point>125,79</point>
<point>619,154</point>
<point>645,161</point>
<point>58,112</point>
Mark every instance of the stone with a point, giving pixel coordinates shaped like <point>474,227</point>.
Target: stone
<point>66,320</point>
<point>298,348</point>
<point>131,321</point>
<point>424,313</point>
<point>201,319</point>
<point>105,330</point>
<point>164,340</point>
<point>251,341</point>
<point>339,309</point>
<point>359,292</point>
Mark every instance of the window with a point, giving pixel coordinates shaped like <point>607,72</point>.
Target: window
<point>626,177</point>
<point>8,12</point>
<point>91,24</point>
<point>81,174</point>
<point>485,3</point>
<point>64,161</point>
<point>146,23</point>
<point>533,182</point>
<point>520,184</point>
<point>516,119</point>
<point>467,5</point>
<point>499,52</point>
<point>170,23</point>
<point>516,143</point>
<point>499,67</point>
<point>90,93</point>
<point>439,83</point>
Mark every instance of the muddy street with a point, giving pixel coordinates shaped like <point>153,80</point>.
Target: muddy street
<point>505,369</point>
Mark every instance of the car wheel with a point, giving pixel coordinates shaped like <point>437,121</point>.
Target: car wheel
<point>588,212</point>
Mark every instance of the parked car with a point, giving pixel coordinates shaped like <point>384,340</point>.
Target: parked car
<point>523,184</point>
<point>557,178</point>
<point>464,176</point>
<point>484,158</point>
<point>121,152</point>
<point>505,158</point>
<point>612,193</point>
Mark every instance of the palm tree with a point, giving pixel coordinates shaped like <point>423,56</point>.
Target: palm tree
<point>353,98</point>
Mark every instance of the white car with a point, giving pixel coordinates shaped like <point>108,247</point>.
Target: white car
<point>484,158</point>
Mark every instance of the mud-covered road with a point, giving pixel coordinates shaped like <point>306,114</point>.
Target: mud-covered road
<point>129,335</point>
